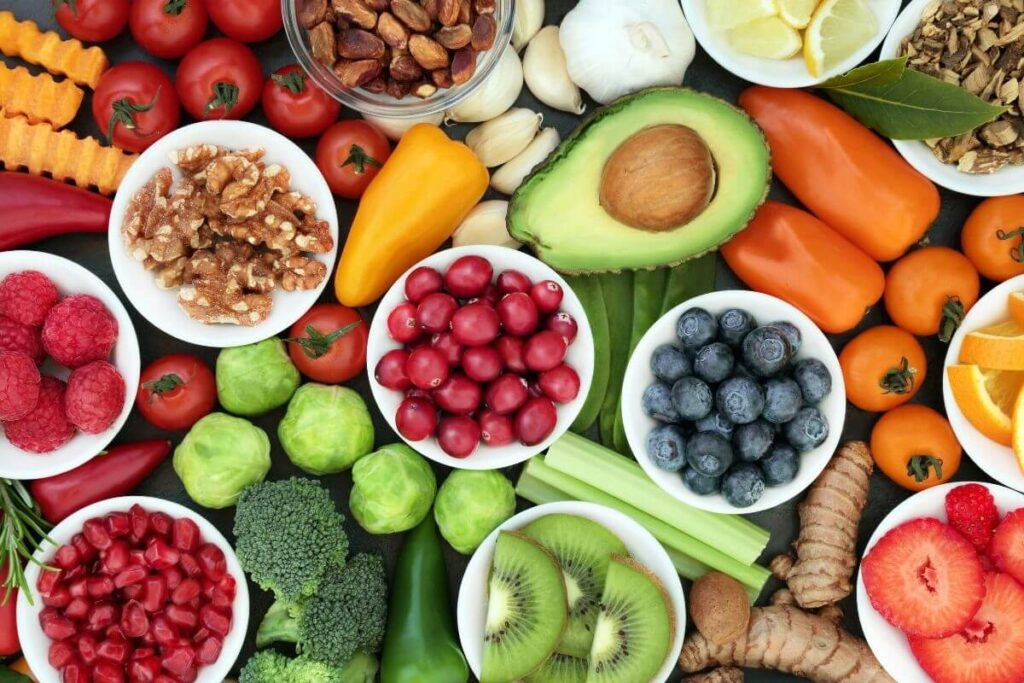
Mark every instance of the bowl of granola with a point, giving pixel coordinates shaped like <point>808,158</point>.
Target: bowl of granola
<point>223,233</point>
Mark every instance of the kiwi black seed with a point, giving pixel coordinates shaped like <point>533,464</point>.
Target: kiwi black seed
<point>561,669</point>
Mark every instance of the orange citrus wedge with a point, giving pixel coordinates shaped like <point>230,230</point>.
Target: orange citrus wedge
<point>987,399</point>
<point>1016,303</point>
<point>1018,429</point>
<point>996,347</point>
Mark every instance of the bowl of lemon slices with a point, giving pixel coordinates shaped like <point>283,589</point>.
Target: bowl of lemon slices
<point>789,43</point>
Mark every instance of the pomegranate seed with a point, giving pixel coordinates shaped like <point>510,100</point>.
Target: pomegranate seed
<point>77,609</point>
<point>87,648</point>
<point>468,276</point>
<point>228,586</point>
<point>99,586</point>
<point>547,295</point>
<point>496,429</point>
<point>137,557</point>
<point>134,621</point>
<point>513,281</point>
<point>560,384</point>
<point>403,326</point>
<point>113,648</point>
<point>201,634</point>
<point>118,524</point>
<point>95,531</point>
<point>459,395</point>
<point>179,660</point>
<point>186,591</point>
<point>518,314</point>
<point>78,588</point>
<point>511,350</point>
<point>221,600</point>
<point>214,620</point>
<point>458,435</point>
<point>162,630</point>
<point>102,615</point>
<point>59,597</point>
<point>144,669</point>
<point>427,368</point>
<point>183,617</point>
<point>67,557</point>
<point>185,534</point>
<point>130,576</point>
<point>544,351</point>
<point>535,421</point>
<point>60,653</point>
<point>159,555</point>
<point>416,418</point>
<point>421,282</point>
<point>107,672</point>
<point>482,363</point>
<point>116,558</point>
<point>48,580</point>
<point>76,573</point>
<point>132,592</point>
<point>139,519</point>
<point>161,523</point>
<point>173,576</point>
<point>163,678</point>
<point>85,550</point>
<point>563,324</point>
<point>57,627</point>
<point>506,394</point>
<point>212,561</point>
<point>435,312</point>
<point>209,650</point>
<point>189,565</point>
<point>143,653</point>
<point>74,671</point>
<point>154,593</point>
<point>449,347</point>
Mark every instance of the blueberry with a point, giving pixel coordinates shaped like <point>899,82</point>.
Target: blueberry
<point>752,441</point>
<point>780,465</point>
<point>782,400</point>
<point>669,363</point>
<point>807,430</point>
<point>743,485</point>
<point>713,362</point>
<point>766,351</point>
<point>733,326</point>
<point>699,484</point>
<point>657,403</point>
<point>666,445</point>
<point>710,454</point>
<point>696,327</point>
<point>814,379</point>
<point>716,424</point>
<point>692,398</point>
<point>740,370</point>
<point>790,332</point>
<point>739,399</point>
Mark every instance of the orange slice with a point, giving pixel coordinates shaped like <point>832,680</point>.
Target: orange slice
<point>1016,303</point>
<point>996,347</point>
<point>987,399</point>
<point>1018,429</point>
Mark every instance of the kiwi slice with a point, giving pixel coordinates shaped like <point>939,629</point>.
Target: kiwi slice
<point>561,669</point>
<point>635,625</point>
<point>583,549</point>
<point>526,609</point>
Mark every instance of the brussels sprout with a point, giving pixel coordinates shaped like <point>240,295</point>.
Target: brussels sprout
<point>220,456</point>
<point>254,379</point>
<point>471,504</point>
<point>326,429</point>
<point>392,489</point>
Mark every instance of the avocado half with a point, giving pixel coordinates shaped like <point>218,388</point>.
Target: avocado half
<point>653,179</point>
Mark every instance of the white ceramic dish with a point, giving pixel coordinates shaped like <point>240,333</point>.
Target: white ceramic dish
<point>1007,180</point>
<point>994,459</point>
<point>160,306</point>
<point>472,606</point>
<point>35,644</point>
<point>887,642</point>
<point>765,309</point>
<point>580,356</point>
<point>70,279</point>
<point>779,73</point>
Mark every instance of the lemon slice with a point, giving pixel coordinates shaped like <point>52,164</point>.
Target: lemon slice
<point>837,29</point>
<point>770,37</point>
<point>726,14</point>
<point>989,399</point>
<point>797,13</point>
<point>1000,347</point>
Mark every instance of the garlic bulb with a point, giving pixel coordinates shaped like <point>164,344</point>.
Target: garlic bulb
<point>395,128</point>
<point>495,95</point>
<point>485,224</point>
<point>546,74</point>
<point>502,138</point>
<point>509,177</point>
<point>616,47</point>
<point>529,19</point>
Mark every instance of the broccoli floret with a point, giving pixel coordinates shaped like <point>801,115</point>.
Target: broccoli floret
<point>268,666</point>
<point>265,666</point>
<point>289,535</point>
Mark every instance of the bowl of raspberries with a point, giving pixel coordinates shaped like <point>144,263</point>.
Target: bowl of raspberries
<point>733,402</point>
<point>69,365</point>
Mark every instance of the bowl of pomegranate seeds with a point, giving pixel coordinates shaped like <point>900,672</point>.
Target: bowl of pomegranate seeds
<point>142,589</point>
<point>482,356</point>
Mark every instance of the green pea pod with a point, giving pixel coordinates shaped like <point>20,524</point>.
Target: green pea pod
<point>420,645</point>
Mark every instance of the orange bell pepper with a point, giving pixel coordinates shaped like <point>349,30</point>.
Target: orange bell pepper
<point>425,189</point>
<point>788,253</point>
<point>845,174</point>
<point>21,666</point>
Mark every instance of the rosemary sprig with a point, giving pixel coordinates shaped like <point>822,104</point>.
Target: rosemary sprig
<point>22,532</point>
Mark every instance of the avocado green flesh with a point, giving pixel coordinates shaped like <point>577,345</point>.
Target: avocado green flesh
<point>557,209</point>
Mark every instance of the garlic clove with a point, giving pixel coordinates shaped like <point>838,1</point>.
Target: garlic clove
<point>495,95</point>
<point>529,19</point>
<point>394,128</point>
<point>547,75</point>
<point>502,138</point>
<point>485,224</point>
<point>509,177</point>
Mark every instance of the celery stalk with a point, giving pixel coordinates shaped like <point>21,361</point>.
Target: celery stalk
<point>624,479</point>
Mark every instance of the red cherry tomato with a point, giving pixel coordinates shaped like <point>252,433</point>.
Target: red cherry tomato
<point>175,391</point>
<point>219,79</point>
<point>328,343</point>
<point>168,28</point>
<point>93,21</point>
<point>135,105</point>
<point>296,106</point>
<point>249,21</point>
<point>350,154</point>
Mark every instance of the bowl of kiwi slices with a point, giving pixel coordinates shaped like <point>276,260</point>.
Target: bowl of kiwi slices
<point>622,618</point>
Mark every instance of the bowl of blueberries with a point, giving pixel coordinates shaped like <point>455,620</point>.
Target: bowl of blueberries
<point>733,402</point>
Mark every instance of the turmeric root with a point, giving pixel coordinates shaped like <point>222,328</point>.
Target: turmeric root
<point>725,674</point>
<point>826,550</point>
<point>789,640</point>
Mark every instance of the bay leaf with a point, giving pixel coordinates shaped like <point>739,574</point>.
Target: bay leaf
<point>876,73</point>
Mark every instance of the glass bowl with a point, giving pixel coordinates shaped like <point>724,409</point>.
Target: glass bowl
<point>383,104</point>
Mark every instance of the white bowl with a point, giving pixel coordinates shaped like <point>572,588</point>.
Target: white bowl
<point>35,644</point>
<point>994,459</point>
<point>1007,180</point>
<point>779,73</point>
<point>580,356</point>
<point>472,606</point>
<point>887,642</point>
<point>765,309</point>
<point>160,306</point>
<point>70,279</point>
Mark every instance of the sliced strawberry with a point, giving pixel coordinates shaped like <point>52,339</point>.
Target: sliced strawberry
<point>924,578</point>
<point>989,649</point>
<point>1007,547</point>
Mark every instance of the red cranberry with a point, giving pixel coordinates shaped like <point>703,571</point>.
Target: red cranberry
<point>560,384</point>
<point>506,394</point>
<point>403,326</point>
<point>476,324</point>
<point>416,418</point>
<point>390,370</point>
<point>513,281</point>
<point>563,324</point>
<point>458,435</point>
<point>468,276</point>
<point>459,395</point>
<point>482,363</point>
<point>547,295</point>
<point>427,368</point>
<point>447,344</point>
<point>421,282</point>
<point>495,429</point>
<point>492,295</point>
<point>435,312</point>
<point>535,421</point>
<point>544,351</point>
<point>518,314</point>
<point>512,353</point>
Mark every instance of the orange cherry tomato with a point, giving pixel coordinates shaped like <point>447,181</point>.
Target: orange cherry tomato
<point>993,237</point>
<point>883,367</point>
<point>929,290</point>
<point>915,447</point>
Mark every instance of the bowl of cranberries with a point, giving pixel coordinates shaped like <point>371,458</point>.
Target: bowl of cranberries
<point>482,356</point>
<point>141,589</point>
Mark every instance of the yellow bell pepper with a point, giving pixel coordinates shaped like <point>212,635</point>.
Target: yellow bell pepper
<point>425,190</point>
<point>21,666</point>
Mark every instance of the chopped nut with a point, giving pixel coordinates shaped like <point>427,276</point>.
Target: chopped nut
<point>429,53</point>
<point>485,29</point>
<point>424,90</point>
<point>454,37</point>
<point>356,43</point>
<point>442,78</point>
<point>376,86</point>
<point>998,133</point>
<point>392,31</point>
<point>484,6</point>
<point>321,43</point>
<point>465,12</point>
<point>432,7</point>
<point>398,89</point>
<point>448,12</point>
<point>358,73</point>
<point>299,272</point>
<point>463,65</point>
<point>405,68</point>
<point>412,15</point>
<point>356,12</point>
<point>378,5</point>
<point>311,12</point>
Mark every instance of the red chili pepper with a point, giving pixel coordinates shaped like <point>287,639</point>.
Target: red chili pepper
<point>116,473</point>
<point>34,208</point>
<point>8,627</point>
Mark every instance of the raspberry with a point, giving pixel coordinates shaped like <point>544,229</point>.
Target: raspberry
<point>79,330</point>
<point>27,297</point>
<point>19,386</point>
<point>18,338</point>
<point>95,396</point>
<point>46,428</point>
<point>971,510</point>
